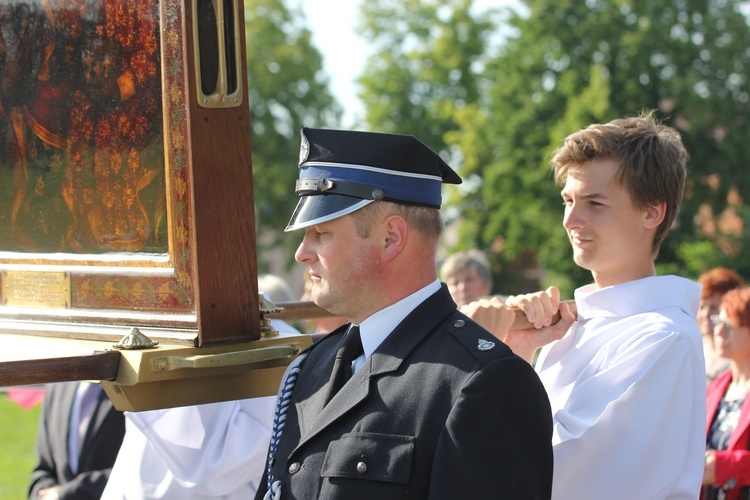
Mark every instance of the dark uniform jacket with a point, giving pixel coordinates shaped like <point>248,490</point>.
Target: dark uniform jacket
<point>98,452</point>
<point>441,409</point>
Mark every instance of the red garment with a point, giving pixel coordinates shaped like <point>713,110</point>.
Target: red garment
<point>27,397</point>
<point>734,463</point>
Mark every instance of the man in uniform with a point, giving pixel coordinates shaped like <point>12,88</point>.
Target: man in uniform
<point>436,406</point>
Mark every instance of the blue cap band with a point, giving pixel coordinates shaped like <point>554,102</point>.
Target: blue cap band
<point>403,187</point>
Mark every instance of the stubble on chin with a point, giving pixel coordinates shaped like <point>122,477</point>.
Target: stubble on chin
<point>317,295</point>
<point>324,298</point>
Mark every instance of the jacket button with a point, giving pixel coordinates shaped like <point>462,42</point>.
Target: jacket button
<point>361,467</point>
<point>459,323</point>
<point>294,468</point>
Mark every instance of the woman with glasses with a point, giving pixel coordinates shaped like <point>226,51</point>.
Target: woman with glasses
<point>716,282</point>
<point>727,468</point>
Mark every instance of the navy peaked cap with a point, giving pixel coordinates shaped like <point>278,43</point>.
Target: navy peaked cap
<point>341,171</point>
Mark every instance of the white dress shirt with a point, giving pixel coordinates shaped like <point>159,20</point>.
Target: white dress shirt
<point>376,328</point>
<point>627,389</point>
<point>212,451</point>
<point>81,412</point>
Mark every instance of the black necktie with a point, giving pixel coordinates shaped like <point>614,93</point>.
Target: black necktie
<point>349,350</point>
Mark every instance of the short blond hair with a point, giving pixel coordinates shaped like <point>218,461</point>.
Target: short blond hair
<point>651,162</point>
<point>425,220</point>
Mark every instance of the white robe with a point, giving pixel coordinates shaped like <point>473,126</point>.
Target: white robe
<point>627,390</point>
<point>212,451</point>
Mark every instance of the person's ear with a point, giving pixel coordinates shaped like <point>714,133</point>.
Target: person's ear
<point>654,215</point>
<point>396,232</point>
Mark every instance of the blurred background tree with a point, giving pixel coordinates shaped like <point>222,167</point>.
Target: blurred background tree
<point>496,90</point>
<point>287,89</point>
<point>498,106</point>
<point>428,58</point>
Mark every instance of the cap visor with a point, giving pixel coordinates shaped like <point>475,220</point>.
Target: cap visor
<point>317,209</point>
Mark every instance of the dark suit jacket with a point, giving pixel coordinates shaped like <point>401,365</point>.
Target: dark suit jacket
<point>435,412</point>
<point>100,445</point>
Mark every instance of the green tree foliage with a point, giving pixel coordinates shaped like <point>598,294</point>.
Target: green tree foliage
<point>427,55</point>
<point>598,60</point>
<point>567,64</point>
<point>287,89</point>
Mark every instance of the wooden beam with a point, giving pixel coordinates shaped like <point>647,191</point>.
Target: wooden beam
<point>28,360</point>
<point>297,310</point>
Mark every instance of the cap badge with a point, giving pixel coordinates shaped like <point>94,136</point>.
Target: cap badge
<point>304,149</point>
<point>485,345</point>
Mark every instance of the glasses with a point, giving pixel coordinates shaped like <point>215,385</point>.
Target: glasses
<point>717,321</point>
<point>708,309</point>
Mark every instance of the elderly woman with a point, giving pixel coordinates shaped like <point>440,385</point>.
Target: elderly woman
<point>727,468</point>
<point>716,283</point>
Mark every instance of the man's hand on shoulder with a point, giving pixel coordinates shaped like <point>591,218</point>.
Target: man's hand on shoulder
<point>492,314</point>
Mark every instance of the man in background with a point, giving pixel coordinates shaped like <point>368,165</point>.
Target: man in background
<point>468,276</point>
<point>78,438</point>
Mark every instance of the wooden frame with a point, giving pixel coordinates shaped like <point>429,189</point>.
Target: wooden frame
<point>201,287</point>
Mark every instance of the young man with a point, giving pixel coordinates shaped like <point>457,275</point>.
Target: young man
<point>468,276</point>
<point>626,382</point>
<point>436,407</point>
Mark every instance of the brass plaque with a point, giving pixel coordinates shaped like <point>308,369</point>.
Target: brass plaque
<point>36,289</point>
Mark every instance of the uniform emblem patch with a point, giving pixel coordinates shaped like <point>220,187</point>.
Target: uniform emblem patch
<point>485,345</point>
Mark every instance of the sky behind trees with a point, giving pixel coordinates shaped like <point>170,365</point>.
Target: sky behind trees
<point>333,24</point>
